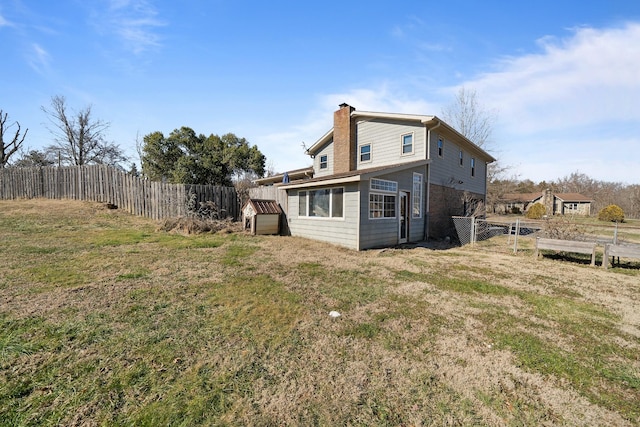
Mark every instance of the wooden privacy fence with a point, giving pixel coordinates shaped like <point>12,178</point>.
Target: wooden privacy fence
<point>106,184</point>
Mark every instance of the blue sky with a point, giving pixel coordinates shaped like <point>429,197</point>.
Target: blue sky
<point>563,76</point>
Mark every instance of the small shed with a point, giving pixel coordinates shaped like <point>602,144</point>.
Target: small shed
<point>261,216</point>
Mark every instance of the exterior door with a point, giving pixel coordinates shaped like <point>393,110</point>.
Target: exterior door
<point>403,232</point>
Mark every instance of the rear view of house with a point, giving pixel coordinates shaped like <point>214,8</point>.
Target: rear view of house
<point>382,179</point>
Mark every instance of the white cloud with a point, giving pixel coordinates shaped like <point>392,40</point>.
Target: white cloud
<point>572,106</point>
<point>134,22</point>
<point>4,22</point>
<point>38,58</point>
<point>591,76</point>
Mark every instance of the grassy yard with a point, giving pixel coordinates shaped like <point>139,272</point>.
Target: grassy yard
<point>106,321</point>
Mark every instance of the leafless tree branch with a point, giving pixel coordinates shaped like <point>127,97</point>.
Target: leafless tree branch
<point>8,148</point>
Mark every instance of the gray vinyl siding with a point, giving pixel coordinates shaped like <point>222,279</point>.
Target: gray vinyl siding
<point>342,232</point>
<point>446,170</point>
<point>384,232</point>
<point>327,150</point>
<point>386,143</point>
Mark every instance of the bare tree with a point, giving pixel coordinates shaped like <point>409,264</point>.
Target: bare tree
<point>9,147</point>
<point>79,138</point>
<point>475,122</point>
<point>470,118</point>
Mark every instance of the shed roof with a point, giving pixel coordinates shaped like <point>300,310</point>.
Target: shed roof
<point>264,207</point>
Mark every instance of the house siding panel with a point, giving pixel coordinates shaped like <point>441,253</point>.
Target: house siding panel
<point>446,170</point>
<point>342,232</point>
<point>385,140</point>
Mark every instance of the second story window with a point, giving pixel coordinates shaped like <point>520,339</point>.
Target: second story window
<point>323,162</point>
<point>407,144</point>
<point>440,147</point>
<point>473,166</point>
<point>461,158</point>
<point>365,153</point>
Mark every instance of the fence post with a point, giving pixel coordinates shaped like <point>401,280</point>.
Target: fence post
<point>472,238</point>
<point>515,237</point>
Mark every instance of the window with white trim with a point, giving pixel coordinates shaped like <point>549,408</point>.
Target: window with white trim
<point>382,205</point>
<point>417,195</point>
<point>383,185</point>
<point>473,166</point>
<point>365,153</point>
<point>461,159</point>
<point>321,203</point>
<point>407,143</point>
<point>324,161</point>
<point>440,147</point>
<point>302,203</point>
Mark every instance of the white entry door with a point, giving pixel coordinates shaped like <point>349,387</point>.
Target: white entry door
<point>403,231</point>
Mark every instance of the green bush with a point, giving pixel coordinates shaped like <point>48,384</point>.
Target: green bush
<point>611,213</point>
<point>536,211</point>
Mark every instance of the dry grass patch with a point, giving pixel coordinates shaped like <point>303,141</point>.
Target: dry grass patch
<point>106,321</point>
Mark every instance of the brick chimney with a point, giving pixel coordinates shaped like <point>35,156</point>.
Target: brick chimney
<point>344,140</point>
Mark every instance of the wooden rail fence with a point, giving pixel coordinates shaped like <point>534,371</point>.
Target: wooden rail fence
<point>106,184</point>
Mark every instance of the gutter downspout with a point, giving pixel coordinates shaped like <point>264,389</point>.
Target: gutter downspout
<point>428,183</point>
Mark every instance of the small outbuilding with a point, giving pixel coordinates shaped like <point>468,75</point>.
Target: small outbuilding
<point>261,216</point>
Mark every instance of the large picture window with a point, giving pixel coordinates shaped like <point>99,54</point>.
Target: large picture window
<point>321,203</point>
<point>417,195</point>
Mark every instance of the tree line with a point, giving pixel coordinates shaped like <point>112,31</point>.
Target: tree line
<point>183,157</point>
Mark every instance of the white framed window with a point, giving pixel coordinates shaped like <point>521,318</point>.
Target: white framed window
<point>473,166</point>
<point>384,185</point>
<point>382,206</point>
<point>461,158</point>
<point>321,203</point>
<point>407,144</point>
<point>440,147</point>
<point>365,153</point>
<point>324,161</point>
<point>302,203</point>
<point>416,210</point>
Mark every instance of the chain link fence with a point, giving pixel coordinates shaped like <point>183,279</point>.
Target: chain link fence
<point>520,233</point>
